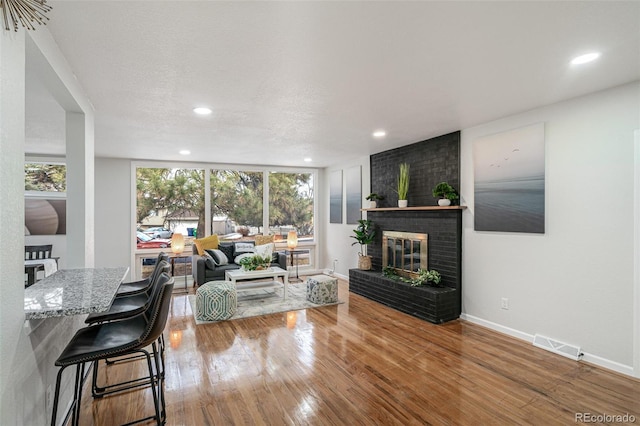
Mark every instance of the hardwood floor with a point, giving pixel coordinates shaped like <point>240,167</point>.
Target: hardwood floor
<point>360,363</point>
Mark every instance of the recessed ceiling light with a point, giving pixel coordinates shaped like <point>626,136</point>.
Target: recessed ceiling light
<point>308,160</point>
<point>379,134</point>
<point>185,152</point>
<point>583,59</point>
<point>202,110</point>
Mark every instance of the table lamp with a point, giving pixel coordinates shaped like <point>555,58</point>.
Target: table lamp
<point>177,243</point>
<point>292,239</point>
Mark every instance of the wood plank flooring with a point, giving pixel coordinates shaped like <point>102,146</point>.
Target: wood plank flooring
<point>360,363</point>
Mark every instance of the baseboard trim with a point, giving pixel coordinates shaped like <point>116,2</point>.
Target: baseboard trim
<point>586,357</point>
<point>341,276</point>
<point>497,327</point>
<point>627,370</point>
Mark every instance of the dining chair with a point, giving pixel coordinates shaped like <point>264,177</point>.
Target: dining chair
<point>39,252</point>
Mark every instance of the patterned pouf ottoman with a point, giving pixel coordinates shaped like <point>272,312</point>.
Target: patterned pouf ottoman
<point>322,289</point>
<point>216,301</point>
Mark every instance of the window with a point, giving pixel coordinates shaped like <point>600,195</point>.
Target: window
<point>291,204</point>
<point>172,199</point>
<point>236,202</point>
<point>45,177</point>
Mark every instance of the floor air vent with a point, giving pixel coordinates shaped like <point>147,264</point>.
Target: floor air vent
<point>564,349</point>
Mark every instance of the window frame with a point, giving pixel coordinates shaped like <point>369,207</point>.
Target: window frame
<point>207,167</point>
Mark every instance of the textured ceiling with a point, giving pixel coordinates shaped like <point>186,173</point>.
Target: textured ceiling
<point>288,80</point>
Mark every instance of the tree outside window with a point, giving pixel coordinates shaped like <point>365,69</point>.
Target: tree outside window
<point>291,203</point>
<point>170,198</point>
<point>236,202</point>
<point>45,177</point>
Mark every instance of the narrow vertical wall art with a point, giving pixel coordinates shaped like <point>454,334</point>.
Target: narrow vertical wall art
<point>509,174</point>
<point>353,179</point>
<point>335,197</point>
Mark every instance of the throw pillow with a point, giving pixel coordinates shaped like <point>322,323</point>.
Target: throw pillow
<point>227,249</point>
<point>275,257</point>
<point>243,247</point>
<point>242,256</point>
<point>208,260</point>
<point>264,239</point>
<point>219,257</point>
<point>265,250</point>
<point>210,242</point>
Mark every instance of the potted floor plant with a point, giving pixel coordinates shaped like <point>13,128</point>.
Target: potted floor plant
<point>446,194</point>
<point>364,234</point>
<point>403,185</point>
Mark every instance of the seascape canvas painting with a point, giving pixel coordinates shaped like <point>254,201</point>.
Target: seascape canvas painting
<point>335,197</point>
<point>509,174</point>
<point>354,194</point>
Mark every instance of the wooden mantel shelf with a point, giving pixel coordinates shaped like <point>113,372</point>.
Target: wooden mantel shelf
<point>390,209</point>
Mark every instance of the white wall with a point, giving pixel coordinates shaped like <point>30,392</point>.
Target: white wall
<point>336,243</point>
<point>575,282</point>
<point>28,350</point>
<point>113,213</point>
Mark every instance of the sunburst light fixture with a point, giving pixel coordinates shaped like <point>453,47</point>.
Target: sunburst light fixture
<point>27,12</point>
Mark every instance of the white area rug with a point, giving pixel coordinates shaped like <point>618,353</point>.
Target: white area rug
<point>262,302</point>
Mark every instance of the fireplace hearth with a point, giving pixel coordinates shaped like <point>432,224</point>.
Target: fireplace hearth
<point>433,304</point>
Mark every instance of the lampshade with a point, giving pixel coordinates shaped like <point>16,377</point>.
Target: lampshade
<point>177,243</point>
<point>292,239</point>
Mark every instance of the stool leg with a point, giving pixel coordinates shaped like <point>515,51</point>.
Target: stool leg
<point>158,352</point>
<point>95,389</point>
<point>153,381</point>
<point>56,397</point>
<point>78,393</point>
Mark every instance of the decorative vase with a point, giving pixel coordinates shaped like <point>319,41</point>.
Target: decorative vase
<point>443,202</point>
<point>373,204</point>
<point>364,262</point>
<point>403,203</point>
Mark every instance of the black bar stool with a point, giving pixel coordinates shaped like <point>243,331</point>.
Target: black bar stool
<point>117,338</point>
<point>129,305</point>
<point>140,286</point>
<point>124,307</point>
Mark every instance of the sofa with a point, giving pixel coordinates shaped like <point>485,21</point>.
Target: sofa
<point>204,270</point>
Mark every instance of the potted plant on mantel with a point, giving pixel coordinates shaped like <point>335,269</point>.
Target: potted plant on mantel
<point>364,234</point>
<point>403,185</point>
<point>446,194</point>
<point>373,200</point>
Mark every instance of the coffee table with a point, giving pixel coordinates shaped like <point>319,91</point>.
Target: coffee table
<point>240,279</point>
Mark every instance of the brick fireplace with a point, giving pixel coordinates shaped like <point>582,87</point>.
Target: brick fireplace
<point>442,225</point>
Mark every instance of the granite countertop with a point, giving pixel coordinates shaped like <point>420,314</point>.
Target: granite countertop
<point>73,292</point>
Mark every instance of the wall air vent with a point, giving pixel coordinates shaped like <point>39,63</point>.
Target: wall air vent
<point>560,348</point>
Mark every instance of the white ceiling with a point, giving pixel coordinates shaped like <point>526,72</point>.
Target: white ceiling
<point>288,80</point>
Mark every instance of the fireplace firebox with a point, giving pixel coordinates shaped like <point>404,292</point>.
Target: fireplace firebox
<point>405,252</point>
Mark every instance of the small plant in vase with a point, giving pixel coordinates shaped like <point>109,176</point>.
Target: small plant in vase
<point>403,185</point>
<point>255,263</point>
<point>373,200</point>
<point>446,194</point>
<point>364,234</point>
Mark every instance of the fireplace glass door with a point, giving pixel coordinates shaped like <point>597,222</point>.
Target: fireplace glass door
<point>405,252</point>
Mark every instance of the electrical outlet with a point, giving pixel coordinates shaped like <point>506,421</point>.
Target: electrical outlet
<point>504,303</point>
